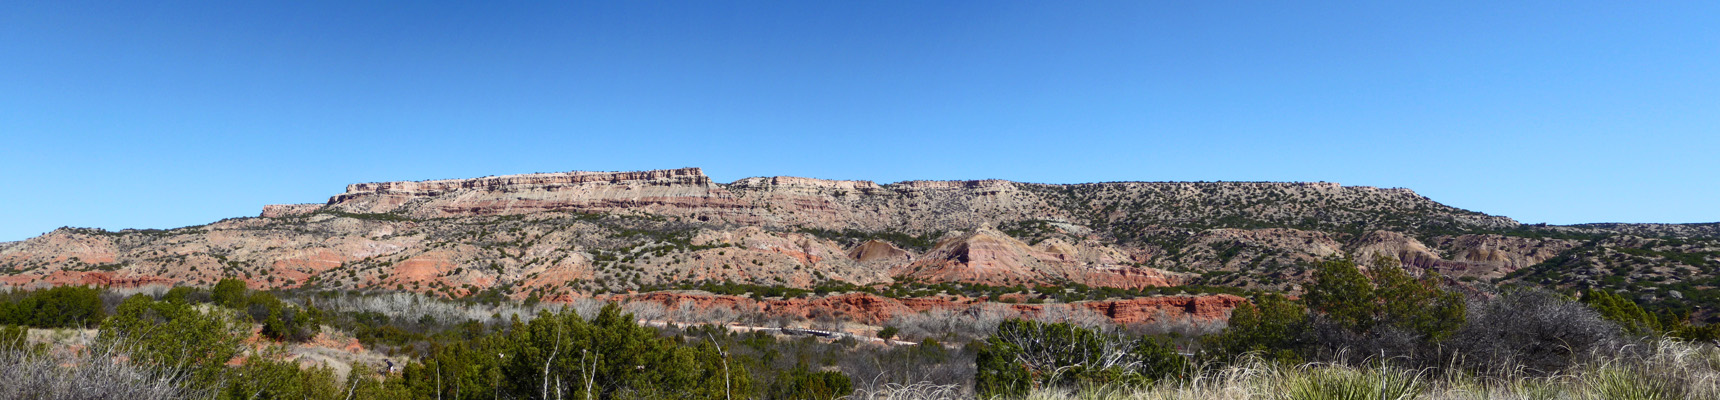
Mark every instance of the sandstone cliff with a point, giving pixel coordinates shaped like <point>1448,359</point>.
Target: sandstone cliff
<point>912,206</point>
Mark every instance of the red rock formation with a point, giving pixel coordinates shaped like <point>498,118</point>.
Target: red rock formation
<point>1168,308</point>
<point>85,278</point>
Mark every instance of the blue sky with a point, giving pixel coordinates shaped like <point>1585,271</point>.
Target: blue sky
<point>166,114</point>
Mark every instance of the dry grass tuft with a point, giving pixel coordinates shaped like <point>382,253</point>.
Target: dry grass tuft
<point>916,391</point>
<point>97,374</point>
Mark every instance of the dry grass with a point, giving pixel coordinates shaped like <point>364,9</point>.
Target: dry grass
<point>97,373</point>
<point>917,391</point>
<point>1666,370</point>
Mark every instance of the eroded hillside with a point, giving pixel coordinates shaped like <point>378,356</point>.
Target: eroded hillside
<point>586,233</point>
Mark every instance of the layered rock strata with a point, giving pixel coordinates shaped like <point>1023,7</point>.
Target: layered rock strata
<point>577,233</point>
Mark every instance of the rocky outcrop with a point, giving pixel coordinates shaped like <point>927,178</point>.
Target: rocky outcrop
<point>1485,256</point>
<point>525,182</point>
<point>289,210</point>
<point>645,191</point>
<point>808,185</point>
<point>1494,256</point>
<point>987,256</point>
<point>1167,308</point>
<point>880,252</point>
<point>1409,252</point>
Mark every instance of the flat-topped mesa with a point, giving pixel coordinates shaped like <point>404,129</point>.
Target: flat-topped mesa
<point>515,194</point>
<point>772,182</point>
<point>916,206</point>
<point>1328,189</point>
<point>288,210</point>
<point>692,176</point>
<point>968,184</point>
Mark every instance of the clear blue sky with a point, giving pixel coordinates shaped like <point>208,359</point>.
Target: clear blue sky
<point>162,114</point>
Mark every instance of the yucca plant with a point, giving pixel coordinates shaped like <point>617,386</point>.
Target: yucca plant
<point>1341,383</point>
<point>1627,383</point>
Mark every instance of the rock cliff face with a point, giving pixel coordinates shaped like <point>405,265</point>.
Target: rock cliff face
<point>580,233</point>
<point>878,252</point>
<point>912,206</point>
<point>990,257</point>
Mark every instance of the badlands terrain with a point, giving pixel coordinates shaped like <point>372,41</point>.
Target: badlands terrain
<point>873,250</point>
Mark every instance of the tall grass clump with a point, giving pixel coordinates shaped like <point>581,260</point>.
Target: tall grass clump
<point>1340,383</point>
<point>914,391</point>
<point>1669,369</point>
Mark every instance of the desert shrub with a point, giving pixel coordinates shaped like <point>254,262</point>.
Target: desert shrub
<point>1349,316</point>
<point>1187,330</point>
<point>1696,333</point>
<point>160,334</point>
<point>802,384</point>
<point>877,367</point>
<point>1626,313</point>
<point>563,355</point>
<point>888,332</point>
<point>281,320</point>
<point>13,338</point>
<point>1390,297</point>
<point>58,307</point>
<point>1531,329</point>
<point>228,293</point>
<point>1273,327</point>
<point>1389,314</point>
<point>972,323</point>
<point>187,294</point>
<point>1025,354</point>
<point>269,378</point>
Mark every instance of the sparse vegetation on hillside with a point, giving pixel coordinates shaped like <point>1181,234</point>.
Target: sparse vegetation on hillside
<point>1677,280</point>
<point>851,237</point>
<point>907,288</point>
